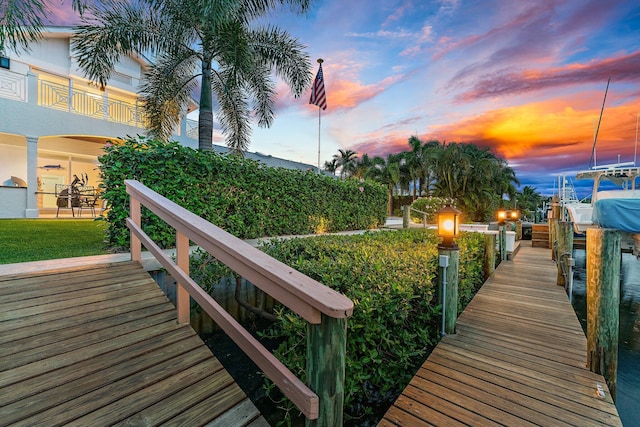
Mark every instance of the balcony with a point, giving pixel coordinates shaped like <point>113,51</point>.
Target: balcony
<point>80,98</point>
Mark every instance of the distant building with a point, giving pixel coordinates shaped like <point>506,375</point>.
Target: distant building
<point>54,123</point>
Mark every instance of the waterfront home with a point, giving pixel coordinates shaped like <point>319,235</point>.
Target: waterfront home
<point>54,123</point>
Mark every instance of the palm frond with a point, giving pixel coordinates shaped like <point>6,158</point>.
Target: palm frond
<point>166,90</point>
<point>234,113</point>
<point>261,87</point>
<point>285,55</point>
<point>21,23</point>
<point>115,28</point>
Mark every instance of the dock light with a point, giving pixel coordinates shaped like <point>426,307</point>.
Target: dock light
<point>514,215</point>
<point>448,225</point>
<point>502,216</point>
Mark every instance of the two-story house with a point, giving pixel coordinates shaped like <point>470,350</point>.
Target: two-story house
<point>54,123</point>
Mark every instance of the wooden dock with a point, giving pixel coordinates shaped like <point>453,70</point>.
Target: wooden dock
<point>518,358</point>
<point>100,345</point>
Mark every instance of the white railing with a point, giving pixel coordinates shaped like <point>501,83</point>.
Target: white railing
<point>99,106</point>
<point>192,128</point>
<point>13,86</point>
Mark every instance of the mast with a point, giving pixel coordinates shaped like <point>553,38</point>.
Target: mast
<point>592,162</point>
<point>635,150</point>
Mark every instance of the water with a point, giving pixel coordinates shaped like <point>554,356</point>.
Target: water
<point>628,382</point>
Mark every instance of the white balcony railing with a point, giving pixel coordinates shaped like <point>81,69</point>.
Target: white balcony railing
<point>65,97</point>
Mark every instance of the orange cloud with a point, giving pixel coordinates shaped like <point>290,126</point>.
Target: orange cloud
<point>552,128</point>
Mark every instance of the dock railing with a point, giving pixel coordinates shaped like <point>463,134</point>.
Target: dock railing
<point>324,309</point>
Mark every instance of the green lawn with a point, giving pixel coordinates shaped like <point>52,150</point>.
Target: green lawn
<point>24,240</point>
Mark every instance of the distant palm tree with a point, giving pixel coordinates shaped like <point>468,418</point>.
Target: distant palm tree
<point>474,177</point>
<point>346,160</point>
<point>363,166</point>
<point>194,39</point>
<point>387,172</point>
<point>528,200</point>
<point>331,166</point>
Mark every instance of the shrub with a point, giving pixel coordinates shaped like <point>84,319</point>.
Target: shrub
<point>244,197</point>
<point>471,267</point>
<point>430,205</point>
<point>392,279</point>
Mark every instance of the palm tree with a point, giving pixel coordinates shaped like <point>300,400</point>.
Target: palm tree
<point>346,160</point>
<point>363,166</point>
<point>196,39</point>
<point>475,177</point>
<point>528,201</point>
<point>331,166</point>
<point>387,172</point>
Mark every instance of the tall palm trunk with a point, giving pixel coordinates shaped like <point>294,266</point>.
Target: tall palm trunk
<point>205,117</point>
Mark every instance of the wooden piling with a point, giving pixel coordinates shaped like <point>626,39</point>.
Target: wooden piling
<point>489,262</point>
<point>326,361</point>
<point>603,300</point>
<point>564,237</point>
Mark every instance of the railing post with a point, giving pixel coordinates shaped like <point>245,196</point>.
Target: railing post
<point>183,303</point>
<point>135,244</point>
<point>564,237</point>
<point>406,216</point>
<point>556,211</point>
<point>424,219</point>
<point>71,109</point>
<point>603,300</point>
<point>503,242</point>
<point>489,266</point>
<point>326,355</point>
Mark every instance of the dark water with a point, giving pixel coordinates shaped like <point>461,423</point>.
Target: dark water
<point>628,382</point>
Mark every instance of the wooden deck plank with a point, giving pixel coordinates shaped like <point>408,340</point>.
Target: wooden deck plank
<point>89,380</point>
<point>20,329</point>
<point>101,345</point>
<point>518,358</point>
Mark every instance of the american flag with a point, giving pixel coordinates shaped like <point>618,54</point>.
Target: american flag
<point>318,96</point>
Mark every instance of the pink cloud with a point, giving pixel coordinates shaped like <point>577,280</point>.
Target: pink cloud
<point>620,68</point>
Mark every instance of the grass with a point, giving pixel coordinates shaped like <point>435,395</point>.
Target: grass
<point>40,239</point>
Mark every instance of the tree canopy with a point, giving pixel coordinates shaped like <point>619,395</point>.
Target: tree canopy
<point>474,177</point>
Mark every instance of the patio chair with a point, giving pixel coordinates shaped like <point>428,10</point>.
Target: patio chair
<point>89,199</point>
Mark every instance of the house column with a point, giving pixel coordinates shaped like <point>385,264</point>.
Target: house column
<point>32,177</point>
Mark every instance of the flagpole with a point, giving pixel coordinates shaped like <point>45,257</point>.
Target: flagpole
<point>319,61</point>
<point>319,113</point>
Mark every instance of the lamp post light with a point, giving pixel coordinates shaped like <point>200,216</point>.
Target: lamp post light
<point>502,216</point>
<point>448,227</point>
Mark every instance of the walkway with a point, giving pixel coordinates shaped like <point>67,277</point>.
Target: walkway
<point>100,345</point>
<point>518,358</point>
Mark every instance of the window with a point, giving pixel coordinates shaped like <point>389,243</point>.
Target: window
<point>5,62</point>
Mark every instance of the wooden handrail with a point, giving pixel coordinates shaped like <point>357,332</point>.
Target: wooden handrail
<point>321,306</point>
<point>305,296</point>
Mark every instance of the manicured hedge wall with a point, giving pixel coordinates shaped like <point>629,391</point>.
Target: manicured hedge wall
<point>392,278</point>
<point>244,197</point>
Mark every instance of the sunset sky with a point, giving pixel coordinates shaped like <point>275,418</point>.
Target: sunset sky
<point>526,78</point>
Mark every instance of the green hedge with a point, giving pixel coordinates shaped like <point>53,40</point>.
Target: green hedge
<point>242,196</point>
<point>392,279</point>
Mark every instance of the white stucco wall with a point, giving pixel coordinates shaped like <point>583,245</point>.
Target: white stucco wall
<point>13,163</point>
<point>13,202</point>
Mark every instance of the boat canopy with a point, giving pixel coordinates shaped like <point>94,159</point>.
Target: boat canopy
<point>618,176</point>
